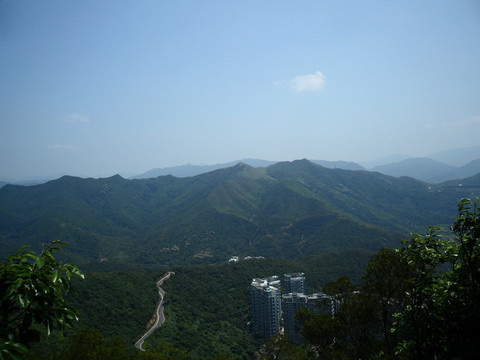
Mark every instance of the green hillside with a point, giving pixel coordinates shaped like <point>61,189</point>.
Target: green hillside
<point>207,307</point>
<point>286,210</point>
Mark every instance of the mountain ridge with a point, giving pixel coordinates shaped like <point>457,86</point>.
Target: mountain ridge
<point>286,210</point>
<point>189,170</point>
<point>429,170</point>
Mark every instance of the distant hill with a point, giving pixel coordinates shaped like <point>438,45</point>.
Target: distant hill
<point>457,157</point>
<point>418,168</point>
<point>27,182</point>
<point>286,210</point>
<point>453,157</point>
<point>370,164</point>
<point>429,170</point>
<point>339,164</point>
<point>461,172</point>
<point>193,170</point>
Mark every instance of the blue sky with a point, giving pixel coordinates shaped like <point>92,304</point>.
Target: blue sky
<point>95,88</point>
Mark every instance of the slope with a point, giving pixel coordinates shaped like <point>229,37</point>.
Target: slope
<point>286,210</point>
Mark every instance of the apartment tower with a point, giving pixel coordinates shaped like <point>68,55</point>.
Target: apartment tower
<point>266,306</point>
<point>294,283</point>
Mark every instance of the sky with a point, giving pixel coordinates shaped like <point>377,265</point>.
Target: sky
<point>97,88</point>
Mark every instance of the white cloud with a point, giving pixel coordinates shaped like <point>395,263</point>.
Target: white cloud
<point>474,120</point>
<point>64,147</point>
<point>310,82</point>
<point>75,117</point>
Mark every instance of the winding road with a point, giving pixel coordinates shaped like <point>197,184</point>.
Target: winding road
<point>159,312</point>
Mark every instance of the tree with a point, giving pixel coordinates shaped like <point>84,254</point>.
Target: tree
<point>419,302</point>
<point>384,283</point>
<point>279,347</point>
<point>442,316</point>
<point>351,333</point>
<point>32,290</point>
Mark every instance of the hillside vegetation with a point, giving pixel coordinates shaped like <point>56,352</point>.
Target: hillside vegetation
<point>207,307</point>
<point>287,210</point>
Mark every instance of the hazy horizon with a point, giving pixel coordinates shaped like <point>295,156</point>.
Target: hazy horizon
<point>368,164</point>
<point>94,89</point>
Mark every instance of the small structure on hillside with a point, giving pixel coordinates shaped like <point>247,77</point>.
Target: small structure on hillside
<point>233,259</point>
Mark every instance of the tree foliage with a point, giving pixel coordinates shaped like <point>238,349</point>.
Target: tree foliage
<point>32,290</point>
<point>419,302</point>
<point>442,317</point>
<point>90,344</point>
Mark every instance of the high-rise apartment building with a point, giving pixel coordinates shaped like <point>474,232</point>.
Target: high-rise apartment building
<point>291,303</point>
<point>294,283</point>
<point>266,306</point>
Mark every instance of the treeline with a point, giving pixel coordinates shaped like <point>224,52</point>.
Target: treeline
<point>421,301</point>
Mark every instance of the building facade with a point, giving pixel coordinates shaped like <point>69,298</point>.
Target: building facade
<point>291,303</point>
<point>294,283</point>
<point>266,306</point>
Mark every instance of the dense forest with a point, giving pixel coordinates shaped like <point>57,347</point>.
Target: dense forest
<point>207,307</point>
<point>419,301</point>
<point>287,210</point>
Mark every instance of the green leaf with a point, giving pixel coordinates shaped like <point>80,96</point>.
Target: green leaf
<point>21,300</point>
<point>56,275</point>
<point>40,262</point>
<point>18,283</point>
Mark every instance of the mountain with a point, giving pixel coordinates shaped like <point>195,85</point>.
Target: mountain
<point>339,164</point>
<point>419,168</point>
<point>370,164</point>
<point>457,157</point>
<point>193,170</point>
<point>473,167</point>
<point>429,170</point>
<point>286,210</point>
<point>453,157</point>
<point>29,182</point>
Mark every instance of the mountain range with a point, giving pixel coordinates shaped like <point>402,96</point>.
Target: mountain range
<point>425,169</point>
<point>285,210</point>
<point>429,170</point>
<point>193,170</point>
<point>436,168</point>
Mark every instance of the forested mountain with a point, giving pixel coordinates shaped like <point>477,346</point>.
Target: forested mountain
<point>286,210</point>
<point>429,170</point>
<point>345,165</point>
<point>193,170</point>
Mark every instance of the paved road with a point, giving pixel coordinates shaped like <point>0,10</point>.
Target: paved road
<point>160,315</point>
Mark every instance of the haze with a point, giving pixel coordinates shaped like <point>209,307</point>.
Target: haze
<point>95,88</point>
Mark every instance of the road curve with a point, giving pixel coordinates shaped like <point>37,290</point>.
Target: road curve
<point>159,312</point>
